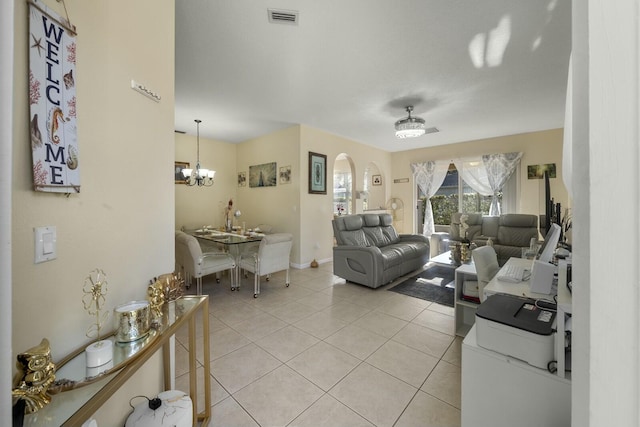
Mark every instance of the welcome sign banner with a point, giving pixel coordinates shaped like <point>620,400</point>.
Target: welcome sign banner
<point>52,100</point>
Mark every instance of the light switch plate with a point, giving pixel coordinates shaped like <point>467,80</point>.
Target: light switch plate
<point>46,247</point>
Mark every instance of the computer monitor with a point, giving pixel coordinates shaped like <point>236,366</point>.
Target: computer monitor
<point>549,244</point>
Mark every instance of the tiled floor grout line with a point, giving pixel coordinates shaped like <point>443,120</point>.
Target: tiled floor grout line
<point>349,299</point>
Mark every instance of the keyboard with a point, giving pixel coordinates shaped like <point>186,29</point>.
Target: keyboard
<point>511,273</point>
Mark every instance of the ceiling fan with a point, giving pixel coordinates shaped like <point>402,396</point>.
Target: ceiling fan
<point>411,127</point>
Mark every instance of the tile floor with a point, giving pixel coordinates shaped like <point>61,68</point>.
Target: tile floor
<point>323,352</point>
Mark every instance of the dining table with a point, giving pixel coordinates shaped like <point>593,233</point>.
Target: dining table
<point>236,244</point>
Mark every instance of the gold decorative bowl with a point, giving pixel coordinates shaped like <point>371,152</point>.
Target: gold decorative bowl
<point>132,320</point>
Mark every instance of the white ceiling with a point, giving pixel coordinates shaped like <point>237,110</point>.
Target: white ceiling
<point>472,68</point>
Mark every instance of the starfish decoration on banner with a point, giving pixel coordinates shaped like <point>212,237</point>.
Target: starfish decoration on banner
<point>37,43</point>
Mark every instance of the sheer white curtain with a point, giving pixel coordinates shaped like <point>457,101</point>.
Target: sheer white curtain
<point>429,176</point>
<point>474,173</point>
<point>499,168</point>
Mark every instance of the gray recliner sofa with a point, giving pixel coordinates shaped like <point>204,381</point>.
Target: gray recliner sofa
<point>508,232</point>
<point>370,252</point>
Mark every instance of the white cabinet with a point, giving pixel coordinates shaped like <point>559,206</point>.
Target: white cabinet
<point>498,390</point>
<point>465,311</point>
<point>564,313</point>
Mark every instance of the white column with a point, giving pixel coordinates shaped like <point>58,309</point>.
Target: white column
<point>606,155</point>
<point>6,139</point>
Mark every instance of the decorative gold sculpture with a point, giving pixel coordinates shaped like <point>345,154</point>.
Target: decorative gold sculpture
<point>155,295</point>
<point>95,291</point>
<point>36,372</point>
<point>465,252</point>
<point>164,288</point>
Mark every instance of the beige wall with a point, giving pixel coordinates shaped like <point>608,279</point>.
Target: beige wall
<point>277,206</point>
<point>316,213</point>
<point>197,206</point>
<point>537,148</point>
<point>122,221</point>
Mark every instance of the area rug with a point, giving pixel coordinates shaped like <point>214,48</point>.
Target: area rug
<point>433,284</point>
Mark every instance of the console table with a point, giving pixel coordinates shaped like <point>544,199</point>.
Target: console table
<point>75,406</point>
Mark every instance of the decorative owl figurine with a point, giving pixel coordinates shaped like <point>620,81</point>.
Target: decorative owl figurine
<point>36,372</point>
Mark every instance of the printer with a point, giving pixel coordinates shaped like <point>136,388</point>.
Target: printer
<point>518,327</point>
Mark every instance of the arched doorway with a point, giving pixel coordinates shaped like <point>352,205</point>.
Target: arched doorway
<point>343,185</point>
<point>374,188</point>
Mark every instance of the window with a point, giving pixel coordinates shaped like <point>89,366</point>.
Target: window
<point>454,195</point>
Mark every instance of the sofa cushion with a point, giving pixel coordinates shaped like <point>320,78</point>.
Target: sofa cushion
<point>391,257</point>
<point>352,222</point>
<point>517,229</point>
<point>355,238</point>
<point>490,226</point>
<point>375,237</point>
<point>371,220</point>
<point>518,220</point>
<point>386,223</point>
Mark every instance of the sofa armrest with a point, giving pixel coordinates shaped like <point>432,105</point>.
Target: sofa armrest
<point>359,264</point>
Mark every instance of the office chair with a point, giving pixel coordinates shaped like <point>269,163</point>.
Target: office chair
<point>486,262</point>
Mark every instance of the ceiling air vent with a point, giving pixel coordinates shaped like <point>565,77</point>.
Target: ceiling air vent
<point>283,16</point>
<point>431,130</point>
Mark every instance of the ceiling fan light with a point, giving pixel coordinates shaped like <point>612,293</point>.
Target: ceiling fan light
<point>410,127</point>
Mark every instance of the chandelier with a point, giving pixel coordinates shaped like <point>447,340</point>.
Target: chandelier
<point>410,127</point>
<point>199,176</point>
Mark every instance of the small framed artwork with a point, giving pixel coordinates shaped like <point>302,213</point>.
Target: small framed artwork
<point>537,171</point>
<point>376,180</point>
<point>263,175</point>
<point>285,174</point>
<point>317,173</point>
<point>242,179</point>
<point>179,177</point>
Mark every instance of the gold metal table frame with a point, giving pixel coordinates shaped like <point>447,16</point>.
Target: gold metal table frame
<point>73,407</point>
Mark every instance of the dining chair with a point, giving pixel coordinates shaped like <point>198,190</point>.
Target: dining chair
<point>271,256</point>
<point>195,263</point>
<point>485,260</point>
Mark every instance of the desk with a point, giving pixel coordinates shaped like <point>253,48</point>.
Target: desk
<point>497,286</point>
<point>499,390</point>
<point>564,302</point>
<point>73,407</point>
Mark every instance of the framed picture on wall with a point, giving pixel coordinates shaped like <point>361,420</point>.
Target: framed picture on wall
<point>285,174</point>
<point>317,173</point>
<point>537,171</point>
<point>242,179</point>
<point>179,178</point>
<point>376,180</point>
<point>263,175</point>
